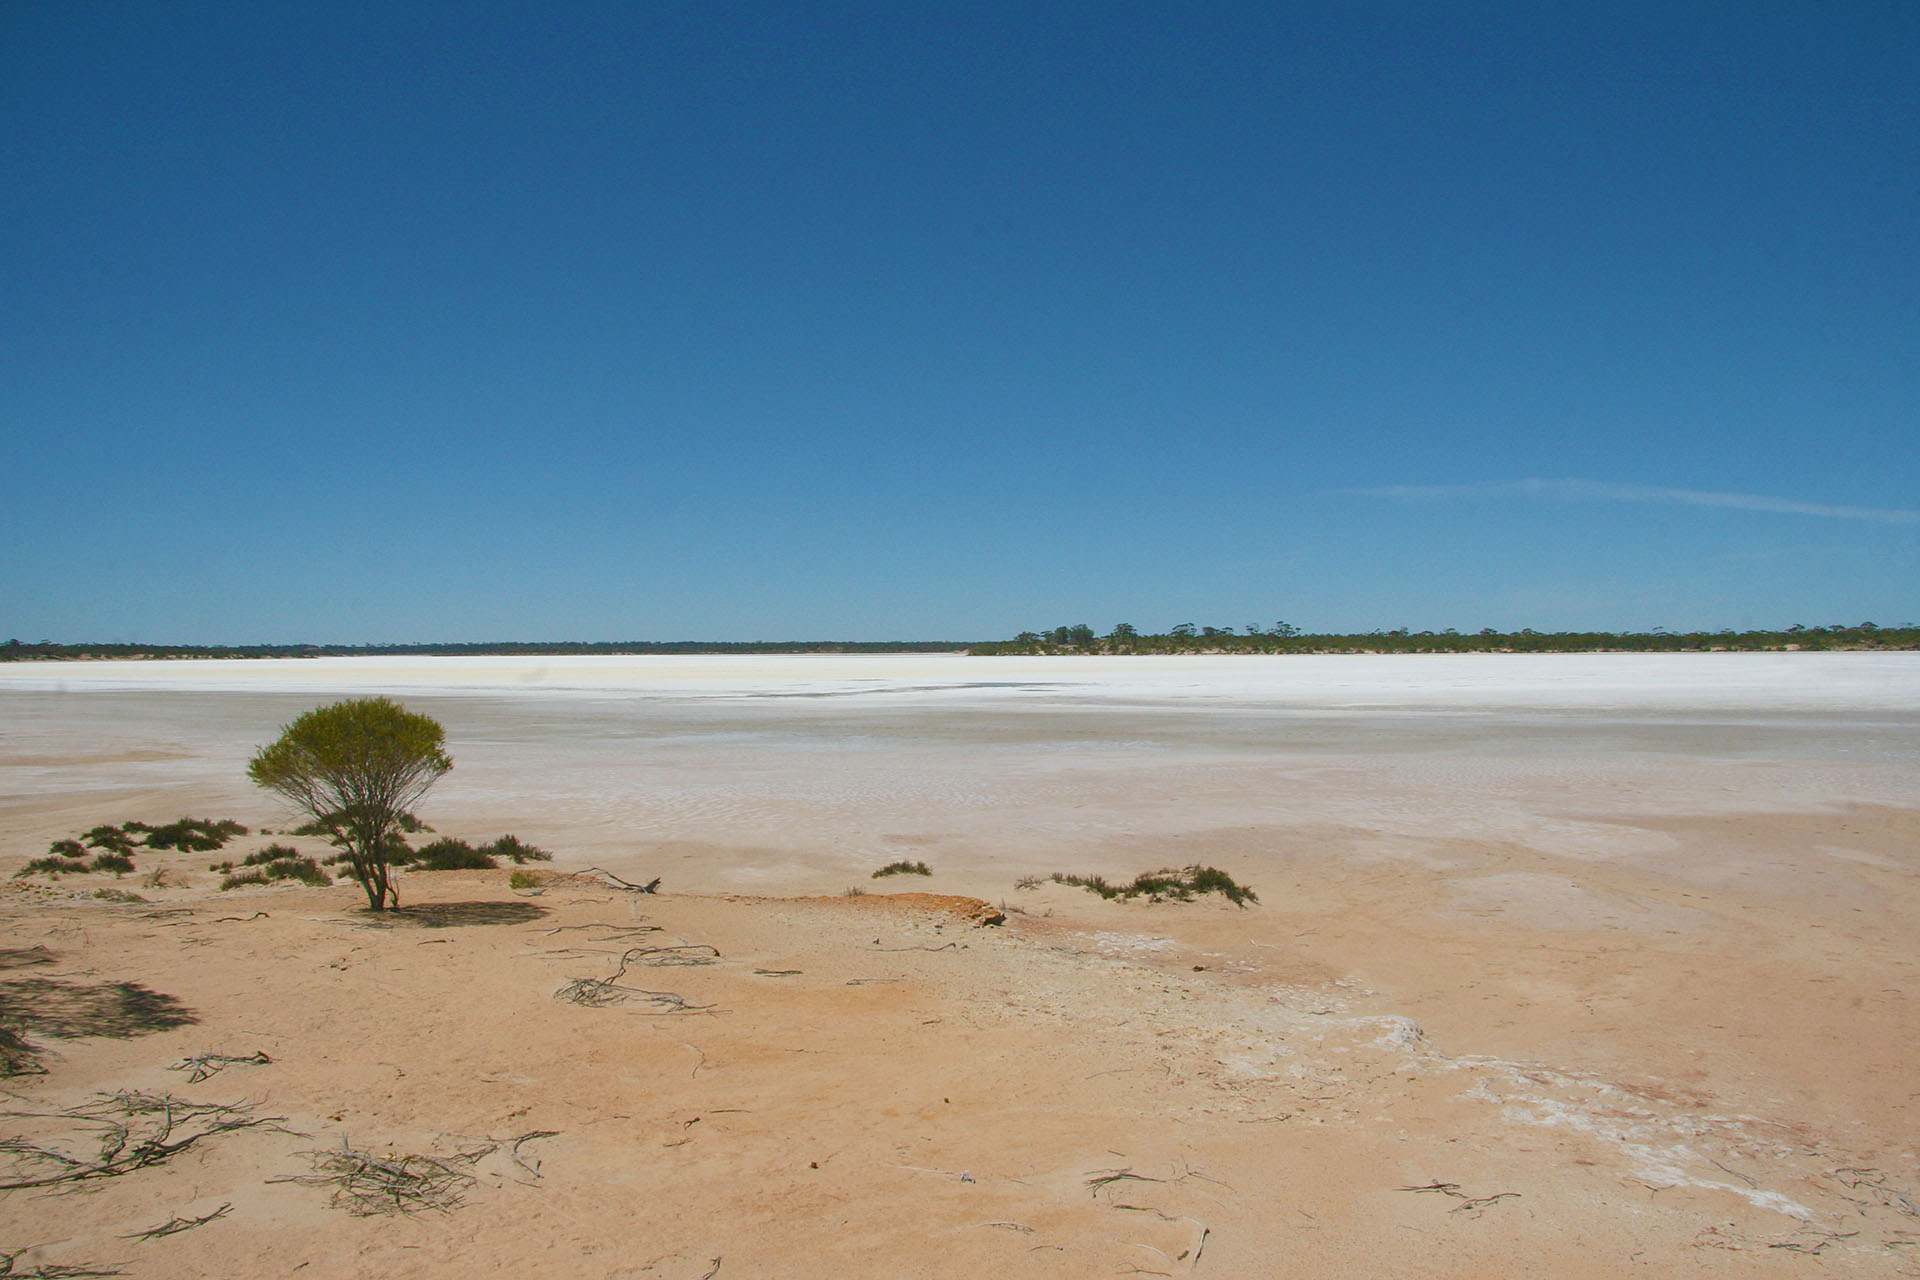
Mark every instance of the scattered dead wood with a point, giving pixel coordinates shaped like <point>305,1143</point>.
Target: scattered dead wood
<point>173,1226</point>
<point>951,946</point>
<point>681,956</point>
<point>135,1130</point>
<point>777,973</point>
<point>513,1148</point>
<point>1874,1183</point>
<point>371,1186</point>
<point>1102,1179</point>
<point>1468,1204</point>
<point>1814,1248</point>
<point>616,930</point>
<point>21,957</point>
<point>51,1271</point>
<point>596,993</point>
<point>205,1065</point>
<point>613,881</point>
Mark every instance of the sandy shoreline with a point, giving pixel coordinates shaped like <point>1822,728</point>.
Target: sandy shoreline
<point>1622,998</point>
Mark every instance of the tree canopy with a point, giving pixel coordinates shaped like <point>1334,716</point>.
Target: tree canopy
<point>1284,637</point>
<point>358,768</point>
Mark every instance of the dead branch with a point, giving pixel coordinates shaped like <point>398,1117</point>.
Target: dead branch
<point>369,1186</point>
<point>513,1148</point>
<point>1815,1249</point>
<point>618,930</point>
<point>693,953</point>
<point>777,973</point>
<point>51,1271</point>
<point>651,886</point>
<point>1468,1204</point>
<point>212,1064</point>
<point>173,1226</point>
<point>951,946</point>
<point>136,1130</point>
<point>258,915</point>
<point>1106,1178</point>
<point>1874,1182</point>
<point>594,993</point>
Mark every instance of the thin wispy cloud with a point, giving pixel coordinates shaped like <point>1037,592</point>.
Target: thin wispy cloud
<point>1596,491</point>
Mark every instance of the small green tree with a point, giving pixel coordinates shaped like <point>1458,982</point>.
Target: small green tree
<point>357,767</point>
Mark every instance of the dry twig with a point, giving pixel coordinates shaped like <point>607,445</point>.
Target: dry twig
<point>136,1130</point>
<point>1468,1204</point>
<point>212,1064</point>
<point>366,1185</point>
<point>173,1226</point>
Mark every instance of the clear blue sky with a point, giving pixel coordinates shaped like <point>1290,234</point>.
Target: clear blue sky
<point>385,322</point>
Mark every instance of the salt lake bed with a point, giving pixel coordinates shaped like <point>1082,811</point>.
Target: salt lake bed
<point>1632,937</point>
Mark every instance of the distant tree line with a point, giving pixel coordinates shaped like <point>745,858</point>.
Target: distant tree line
<point>1283,637</point>
<point>21,651</point>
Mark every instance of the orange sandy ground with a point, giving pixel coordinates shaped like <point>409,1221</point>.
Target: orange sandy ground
<point>1619,1072</point>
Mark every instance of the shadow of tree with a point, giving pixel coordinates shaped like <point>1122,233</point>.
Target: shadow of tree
<point>17,1057</point>
<point>67,1010</point>
<point>454,915</point>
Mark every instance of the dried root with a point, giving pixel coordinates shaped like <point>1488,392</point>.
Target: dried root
<point>173,1226</point>
<point>597,994</point>
<point>136,1130</point>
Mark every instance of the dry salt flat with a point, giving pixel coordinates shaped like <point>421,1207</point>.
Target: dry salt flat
<point>1582,964</point>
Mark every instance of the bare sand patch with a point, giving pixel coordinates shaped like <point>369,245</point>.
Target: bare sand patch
<point>870,1085</point>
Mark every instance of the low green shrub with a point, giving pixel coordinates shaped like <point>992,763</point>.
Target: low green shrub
<point>241,879</point>
<point>272,853</point>
<point>903,869</point>
<point>67,849</point>
<point>283,862</point>
<point>118,863</point>
<point>1179,884</point>
<point>110,839</point>
<point>448,854</point>
<point>191,835</point>
<point>525,880</point>
<point>53,866</point>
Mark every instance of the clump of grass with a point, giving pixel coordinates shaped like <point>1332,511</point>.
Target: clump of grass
<point>854,891</point>
<point>117,895</point>
<point>1028,882</point>
<point>903,869</point>
<point>118,863</point>
<point>525,880</point>
<point>242,879</point>
<point>1178,884</point>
